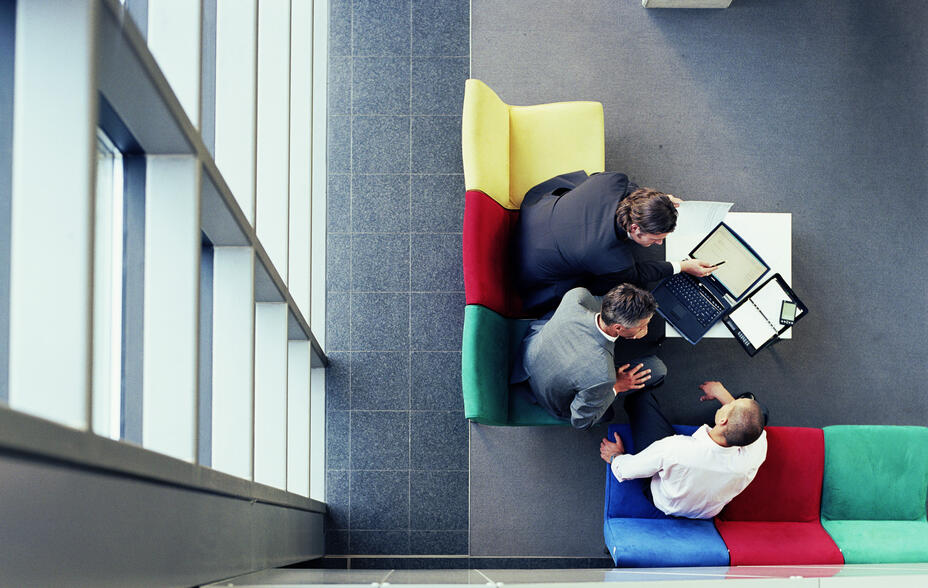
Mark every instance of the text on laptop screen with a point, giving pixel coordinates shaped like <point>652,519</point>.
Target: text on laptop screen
<point>741,268</point>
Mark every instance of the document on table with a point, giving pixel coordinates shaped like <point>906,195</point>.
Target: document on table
<point>695,218</point>
<point>758,318</point>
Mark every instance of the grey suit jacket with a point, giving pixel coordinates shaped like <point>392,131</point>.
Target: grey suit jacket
<point>568,362</point>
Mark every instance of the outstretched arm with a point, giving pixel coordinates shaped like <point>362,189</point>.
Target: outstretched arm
<point>697,267</point>
<point>639,273</point>
<point>641,465</point>
<point>715,391</point>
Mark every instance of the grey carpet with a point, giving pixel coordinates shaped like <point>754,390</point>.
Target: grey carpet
<point>524,499</point>
<point>814,107</point>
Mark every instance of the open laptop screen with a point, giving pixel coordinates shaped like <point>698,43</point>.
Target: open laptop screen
<point>742,267</point>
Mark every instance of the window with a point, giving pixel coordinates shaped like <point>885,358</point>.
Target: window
<point>7,47</point>
<point>129,278</point>
<point>108,291</point>
<point>151,263</point>
<point>205,410</point>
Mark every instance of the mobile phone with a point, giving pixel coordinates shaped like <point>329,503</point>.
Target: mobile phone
<point>788,313</point>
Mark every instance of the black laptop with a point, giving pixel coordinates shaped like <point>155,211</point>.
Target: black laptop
<point>692,305</point>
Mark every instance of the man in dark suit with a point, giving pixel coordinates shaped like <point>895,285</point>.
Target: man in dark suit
<point>568,360</point>
<point>576,230</point>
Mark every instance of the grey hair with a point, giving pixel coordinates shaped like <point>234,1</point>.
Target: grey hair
<point>627,305</point>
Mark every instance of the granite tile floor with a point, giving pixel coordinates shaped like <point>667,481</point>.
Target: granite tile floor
<point>397,446</point>
<point>898,575</point>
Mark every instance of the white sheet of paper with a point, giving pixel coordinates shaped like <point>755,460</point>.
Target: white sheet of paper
<point>769,298</point>
<point>695,218</point>
<point>752,322</point>
<point>754,326</point>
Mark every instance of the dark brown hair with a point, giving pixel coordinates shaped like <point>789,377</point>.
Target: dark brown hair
<point>649,209</point>
<point>627,305</point>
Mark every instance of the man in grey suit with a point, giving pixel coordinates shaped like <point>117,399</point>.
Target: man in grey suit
<point>568,360</point>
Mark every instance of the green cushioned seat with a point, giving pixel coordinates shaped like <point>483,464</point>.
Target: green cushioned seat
<point>490,341</point>
<point>874,491</point>
<point>880,541</point>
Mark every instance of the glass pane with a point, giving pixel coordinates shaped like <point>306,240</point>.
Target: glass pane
<point>205,415</point>
<point>107,303</point>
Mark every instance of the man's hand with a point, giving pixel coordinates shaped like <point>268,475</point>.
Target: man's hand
<point>676,201</point>
<point>715,391</point>
<point>630,379</point>
<point>608,449</point>
<point>697,267</point>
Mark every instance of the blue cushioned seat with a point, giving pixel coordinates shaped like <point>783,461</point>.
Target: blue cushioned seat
<point>639,535</point>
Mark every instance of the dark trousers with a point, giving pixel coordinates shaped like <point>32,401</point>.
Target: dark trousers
<point>646,419</point>
<point>658,373</point>
<point>648,425</point>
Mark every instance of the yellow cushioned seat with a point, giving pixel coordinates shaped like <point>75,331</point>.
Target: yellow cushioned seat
<point>509,149</point>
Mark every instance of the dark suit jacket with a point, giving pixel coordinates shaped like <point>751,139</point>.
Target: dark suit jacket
<point>568,362</point>
<point>567,236</point>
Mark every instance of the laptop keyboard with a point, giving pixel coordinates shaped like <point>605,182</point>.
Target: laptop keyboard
<point>687,291</point>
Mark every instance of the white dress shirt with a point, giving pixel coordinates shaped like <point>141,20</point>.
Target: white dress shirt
<point>601,331</point>
<point>693,476</point>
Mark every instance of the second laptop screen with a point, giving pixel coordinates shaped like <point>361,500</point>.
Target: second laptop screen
<point>741,268</point>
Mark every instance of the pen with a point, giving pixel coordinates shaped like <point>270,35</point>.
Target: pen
<point>719,263</point>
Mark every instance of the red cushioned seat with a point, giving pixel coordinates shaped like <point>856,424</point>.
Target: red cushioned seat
<point>488,279</point>
<point>776,520</point>
<point>778,543</point>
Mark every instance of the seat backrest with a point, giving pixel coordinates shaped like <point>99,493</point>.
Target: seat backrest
<point>485,142</point>
<point>875,473</point>
<point>489,345</point>
<point>485,366</point>
<point>788,486</point>
<point>509,149</point>
<point>488,279</point>
<point>547,140</point>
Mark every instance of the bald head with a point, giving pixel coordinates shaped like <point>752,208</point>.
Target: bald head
<point>745,423</point>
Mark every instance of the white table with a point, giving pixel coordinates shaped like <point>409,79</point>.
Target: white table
<point>768,233</point>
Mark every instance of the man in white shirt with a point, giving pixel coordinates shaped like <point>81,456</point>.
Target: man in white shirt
<point>691,476</point>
